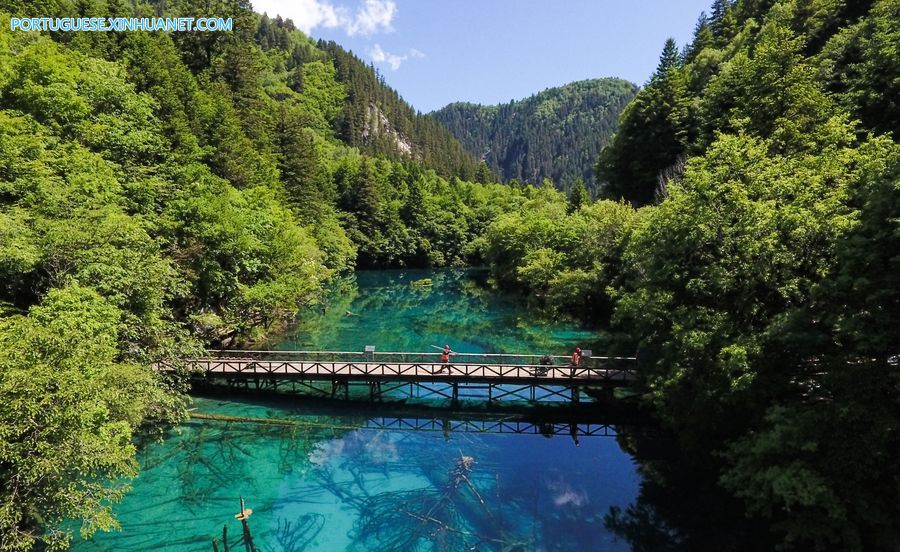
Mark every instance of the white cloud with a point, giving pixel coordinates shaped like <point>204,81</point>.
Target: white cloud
<point>380,56</point>
<point>394,60</point>
<point>373,16</point>
<point>370,17</point>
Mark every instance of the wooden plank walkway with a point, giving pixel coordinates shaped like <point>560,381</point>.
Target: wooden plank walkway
<point>460,372</point>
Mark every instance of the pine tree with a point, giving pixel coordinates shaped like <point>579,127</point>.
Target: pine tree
<point>703,37</point>
<point>578,196</point>
<point>718,10</point>
<point>483,173</point>
<point>722,21</point>
<point>628,168</point>
<point>366,198</point>
<point>668,60</point>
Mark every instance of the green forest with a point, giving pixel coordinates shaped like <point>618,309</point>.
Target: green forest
<point>556,134</point>
<point>160,193</point>
<point>758,279</point>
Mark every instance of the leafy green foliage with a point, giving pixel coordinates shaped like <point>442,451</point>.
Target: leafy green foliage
<point>826,456</point>
<point>251,262</point>
<point>68,409</point>
<point>566,258</point>
<point>629,166</point>
<point>405,216</point>
<point>715,268</point>
<point>859,64</point>
<point>755,67</point>
<point>761,292</point>
<point>160,192</point>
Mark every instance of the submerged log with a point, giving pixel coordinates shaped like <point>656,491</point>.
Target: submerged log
<point>224,418</point>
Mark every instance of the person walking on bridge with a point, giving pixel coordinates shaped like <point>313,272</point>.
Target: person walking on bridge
<point>445,359</point>
<point>576,360</point>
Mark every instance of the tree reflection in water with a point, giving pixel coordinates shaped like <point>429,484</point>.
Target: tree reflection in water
<point>318,481</point>
<point>297,535</point>
<point>454,516</point>
<point>449,509</point>
<point>680,505</point>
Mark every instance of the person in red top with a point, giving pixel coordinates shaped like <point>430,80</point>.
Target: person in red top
<point>445,359</point>
<point>576,358</point>
<point>576,361</point>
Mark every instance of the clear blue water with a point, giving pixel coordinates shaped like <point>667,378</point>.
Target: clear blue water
<point>383,309</point>
<point>316,480</point>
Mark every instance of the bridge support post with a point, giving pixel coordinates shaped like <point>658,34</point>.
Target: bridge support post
<point>575,394</point>
<point>338,384</point>
<point>374,390</point>
<point>455,400</point>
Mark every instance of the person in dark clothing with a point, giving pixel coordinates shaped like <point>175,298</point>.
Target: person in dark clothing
<point>545,361</point>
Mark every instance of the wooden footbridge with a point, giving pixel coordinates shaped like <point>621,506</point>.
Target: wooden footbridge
<point>490,377</point>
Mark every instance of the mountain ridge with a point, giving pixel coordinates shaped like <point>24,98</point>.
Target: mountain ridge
<point>555,133</point>
<point>376,119</point>
<point>369,115</point>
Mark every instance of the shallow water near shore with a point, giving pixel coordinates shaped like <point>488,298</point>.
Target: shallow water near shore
<point>326,479</point>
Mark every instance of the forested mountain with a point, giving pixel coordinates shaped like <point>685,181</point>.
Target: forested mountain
<point>555,134</point>
<point>378,121</point>
<point>759,285</point>
<point>160,192</point>
<point>373,118</point>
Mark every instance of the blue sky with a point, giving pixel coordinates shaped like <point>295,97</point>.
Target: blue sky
<point>490,51</point>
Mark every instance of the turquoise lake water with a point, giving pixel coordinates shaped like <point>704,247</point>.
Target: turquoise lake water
<point>317,480</point>
<point>386,311</point>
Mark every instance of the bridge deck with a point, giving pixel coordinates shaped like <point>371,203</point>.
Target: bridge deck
<point>462,372</point>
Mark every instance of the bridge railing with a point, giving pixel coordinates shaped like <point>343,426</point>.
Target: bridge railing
<point>396,357</point>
